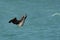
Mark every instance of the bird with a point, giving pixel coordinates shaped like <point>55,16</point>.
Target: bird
<point>18,22</point>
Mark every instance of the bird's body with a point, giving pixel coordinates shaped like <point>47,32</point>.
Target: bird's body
<point>18,22</point>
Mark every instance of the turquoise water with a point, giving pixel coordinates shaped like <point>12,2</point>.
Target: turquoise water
<point>42,23</point>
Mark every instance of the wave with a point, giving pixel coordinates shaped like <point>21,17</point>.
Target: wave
<point>58,14</point>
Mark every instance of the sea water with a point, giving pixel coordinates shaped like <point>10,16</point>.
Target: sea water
<point>42,23</point>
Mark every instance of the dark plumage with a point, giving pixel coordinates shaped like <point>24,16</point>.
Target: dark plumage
<point>18,22</point>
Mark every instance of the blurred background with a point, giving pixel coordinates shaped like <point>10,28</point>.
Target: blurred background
<point>42,23</point>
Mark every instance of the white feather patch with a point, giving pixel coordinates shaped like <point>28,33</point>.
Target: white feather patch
<point>21,23</point>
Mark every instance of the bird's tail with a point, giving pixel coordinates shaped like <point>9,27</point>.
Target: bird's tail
<point>25,16</point>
